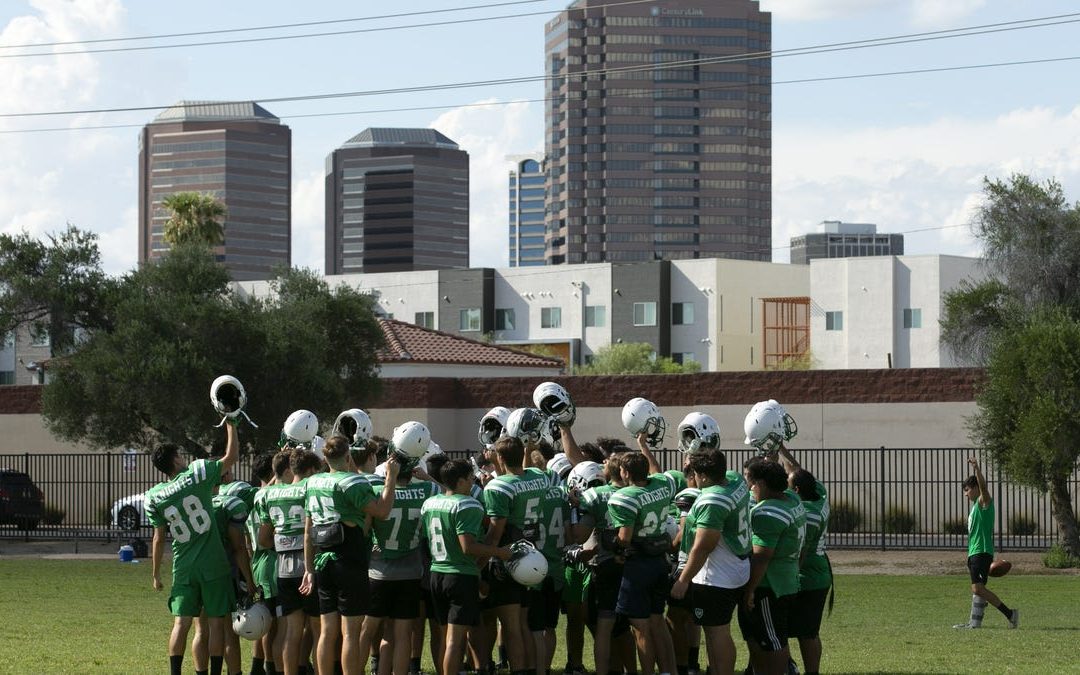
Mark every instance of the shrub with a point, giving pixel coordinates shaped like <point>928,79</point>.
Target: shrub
<point>1058,558</point>
<point>54,515</point>
<point>1022,525</point>
<point>954,526</point>
<point>844,517</point>
<point>899,520</point>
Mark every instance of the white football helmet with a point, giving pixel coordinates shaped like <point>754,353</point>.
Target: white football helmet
<point>560,465</point>
<point>526,424</point>
<point>698,431</point>
<point>526,565</point>
<point>585,475</point>
<point>492,425</point>
<point>764,427</point>
<point>300,428</point>
<point>355,425</point>
<point>317,445</point>
<point>554,401</point>
<point>227,395</point>
<point>252,622</point>
<point>791,430</point>
<point>671,527</point>
<point>640,415</point>
<point>410,443</point>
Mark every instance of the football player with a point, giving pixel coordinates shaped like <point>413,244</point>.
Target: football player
<point>263,562</point>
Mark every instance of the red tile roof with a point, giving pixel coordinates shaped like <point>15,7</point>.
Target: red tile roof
<point>409,343</point>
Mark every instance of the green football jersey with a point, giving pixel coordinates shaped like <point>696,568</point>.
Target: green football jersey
<point>593,510</point>
<point>263,560</point>
<point>815,572</point>
<point>185,505</point>
<point>780,524</point>
<point>554,520</point>
<point>241,489</point>
<point>724,509</point>
<point>680,484</point>
<point>399,534</point>
<point>688,532</point>
<point>518,498</point>
<point>377,482</point>
<point>283,507</point>
<point>337,497</point>
<point>981,528</point>
<point>229,512</point>
<point>643,508</point>
<point>444,518</point>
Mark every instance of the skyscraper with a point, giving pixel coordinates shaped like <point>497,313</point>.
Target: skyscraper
<point>658,131</point>
<point>237,152</point>
<point>397,200</point>
<point>527,210</point>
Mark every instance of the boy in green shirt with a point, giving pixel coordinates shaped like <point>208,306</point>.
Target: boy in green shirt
<point>981,551</point>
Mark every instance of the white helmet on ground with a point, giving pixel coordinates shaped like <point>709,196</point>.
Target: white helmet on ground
<point>526,565</point>
<point>355,425</point>
<point>764,427</point>
<point>554,401</point>
<point>300,428</point>
<point>585,475</point>
<point>642,415</point>
<point>698,431</point>
<point>790,428</point>
<point>492,425</point>
<point>227,395</point>
<point>252,622</point>
<point>409,443</point>
<point>526,424</point>
<point>560,465</point>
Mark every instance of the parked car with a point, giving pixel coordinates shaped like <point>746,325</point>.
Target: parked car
<point>128,513</point>
<point>21,502</point>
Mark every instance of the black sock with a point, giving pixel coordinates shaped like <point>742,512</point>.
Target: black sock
<point>215,664</point>
<point>1004,609</point>
<point>303,670</point>
<point>414,664</point>
<point>202,672</point>
<point>176,664</point>
<point>270,668</point>
<point>682,670</point>
<point>257,667</point>
<point>692,653</point>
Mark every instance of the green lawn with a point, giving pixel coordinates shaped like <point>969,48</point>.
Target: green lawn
<point>64,616</point>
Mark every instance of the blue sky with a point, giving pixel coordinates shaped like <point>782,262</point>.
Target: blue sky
<point>905,152</point>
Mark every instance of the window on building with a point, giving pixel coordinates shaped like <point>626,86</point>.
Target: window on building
<point>424,319</point>
<point>469,319</point>
<point>551,317</point>
<point>644,313</point>
<point>683,357</point>
<point>595,316</point>
<point>912,318</point>
<point>834,321</point>
<point>682,313</point>
<point>9,340</point>
<point>39,336</point>
<point>504,319</point>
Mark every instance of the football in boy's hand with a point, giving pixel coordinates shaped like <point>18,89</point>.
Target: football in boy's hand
<point>1000,568</point>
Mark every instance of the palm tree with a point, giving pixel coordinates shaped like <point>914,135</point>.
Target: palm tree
<point>196,218</point>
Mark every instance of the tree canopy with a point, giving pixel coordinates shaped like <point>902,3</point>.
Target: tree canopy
<point>633,358</point>
<point>196,219</point>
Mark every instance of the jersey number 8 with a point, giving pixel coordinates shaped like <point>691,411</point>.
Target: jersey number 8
<point>197,517</point>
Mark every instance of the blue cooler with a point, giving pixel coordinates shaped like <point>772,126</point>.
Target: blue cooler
<point>127,554</point>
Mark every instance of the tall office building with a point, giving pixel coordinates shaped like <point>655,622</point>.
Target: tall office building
<point>527,210</point>
<point>237,152</point>
<point>397,200</point>
<point>658,131</point>
<point>844,240</point>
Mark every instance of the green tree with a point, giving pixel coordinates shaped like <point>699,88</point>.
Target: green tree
<point>633,358</point>
<point>196,218</point>
<point>1020,322</point>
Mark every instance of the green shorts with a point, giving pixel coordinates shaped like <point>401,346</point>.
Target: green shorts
<point>264,572</point>
<point>216,597</point>
<point>576,583</point>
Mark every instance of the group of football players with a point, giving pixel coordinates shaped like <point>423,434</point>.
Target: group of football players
<point>348,549</point>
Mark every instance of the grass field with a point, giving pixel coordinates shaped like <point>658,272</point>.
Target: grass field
<point>75,616</point>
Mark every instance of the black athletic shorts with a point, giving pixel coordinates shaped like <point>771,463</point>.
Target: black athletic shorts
<point>767,624</point>
<point>604,586</point>
<point>979,567</point>
<point>395,599</point>
<point>644,588</point>
<point>343,587</point>
<point>804,618</point>
<point>685,602</point>
<point>504,591</point>
<point>712,605</point>
<point>543,606</point>
<point>455,598</point>
<point>290,599</point>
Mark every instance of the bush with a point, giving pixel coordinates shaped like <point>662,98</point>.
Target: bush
<point>899,520</point>
<point>1058,558</point>
<point>54,515</point>
<point>954,526</point>
<point>1022,525</point>
<point>844,517</point>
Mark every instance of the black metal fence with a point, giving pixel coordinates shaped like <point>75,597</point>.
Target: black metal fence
<point>885,498</point>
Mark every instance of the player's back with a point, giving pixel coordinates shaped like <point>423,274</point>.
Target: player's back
<point>444,517</point>
<point>554,519</point>
<point>517,497</point>
<point>285,511</point>
<point>184,504</point>
<point>645,507</point>
<point>399,534</point>
<point>337,497</point>
<point>815,571</point>
<point>229,511</point>
<point>781,525</point>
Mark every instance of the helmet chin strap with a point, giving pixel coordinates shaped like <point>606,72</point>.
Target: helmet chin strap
<point>234,415</point>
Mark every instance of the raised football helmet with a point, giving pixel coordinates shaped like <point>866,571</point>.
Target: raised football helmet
<point>355,425</point>
<point>409,443</point>
<point>791,429</point>
<point>698,431</point>
<point>554,401</point>
<point>585,475</point>
<point>317,445</point>
<point>642,415</point>
<point>252,622</point>
<point>526,565</point>
<point>526,424</point>
<point>300,428</point>
<point>492,425</point>
<point>560,465</point>
<point>764,427</point>
<point>228,397</point>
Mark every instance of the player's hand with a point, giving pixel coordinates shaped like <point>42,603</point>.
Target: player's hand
<point>643,440</point>
<point>973,462</point>
<point>503,553</point>
<point>392,468</point>
<point>422,475</point>
<point>678,589</point>
<point>157,583</point>
<point>305,584</point>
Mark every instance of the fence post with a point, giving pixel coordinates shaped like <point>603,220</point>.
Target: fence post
<point>1000,507</point>
<point>108,495</point>
<point>26,470</point>
<point>881,519</point>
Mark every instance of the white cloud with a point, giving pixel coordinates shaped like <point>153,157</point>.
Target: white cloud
<point>938,14</point>
<point>815,10</point>
<point>308,221</point>
<point>489,134</point>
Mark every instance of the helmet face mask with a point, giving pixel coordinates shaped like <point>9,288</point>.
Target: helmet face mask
<point>526,424</point>
<point>554,401</point>
<point>640,415</point>
<point>698,431</point>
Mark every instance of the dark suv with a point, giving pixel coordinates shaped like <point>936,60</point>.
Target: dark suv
<point>21,502</point>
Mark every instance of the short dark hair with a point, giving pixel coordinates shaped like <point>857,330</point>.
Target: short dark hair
<point>768,472</point>
<point>805,484</point>
<point>302,460</point>
<point>435,464</point>
<point>362,453</point>
<point>969,482</point>
<point>609,445</point>
<point>511,451</point>
<point>636,465</point>
<point>281,462</point>
<point>263,467</point>
<point>481,459</point>
<point>382,448</point>
<point>547,450</point>
<point>756,459</point>
<point>164,457</point>
<point>453,471</point>
<point>336,448</point>
<point>592,452</point>
<point>710,462</point>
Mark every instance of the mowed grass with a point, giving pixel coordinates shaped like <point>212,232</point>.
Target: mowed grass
<point>75,616</point>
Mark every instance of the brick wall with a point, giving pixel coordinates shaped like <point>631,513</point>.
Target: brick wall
<point>20,400</point>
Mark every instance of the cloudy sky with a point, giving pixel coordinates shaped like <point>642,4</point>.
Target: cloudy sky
<point>907,152</point>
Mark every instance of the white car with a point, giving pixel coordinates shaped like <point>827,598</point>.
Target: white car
<point>128,513</point>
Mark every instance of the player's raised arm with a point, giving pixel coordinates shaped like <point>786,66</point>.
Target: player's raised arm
<point>570,446</point>
<point>788,460</point>
<point>232,446</point>
<point>643,445</point>
<point>984,491</point>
